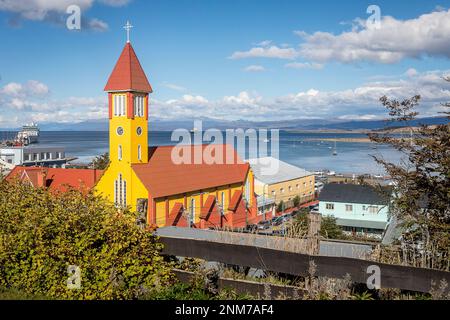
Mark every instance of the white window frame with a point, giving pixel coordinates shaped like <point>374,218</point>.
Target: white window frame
<point>373,209</point>
<point>348,207</point>
<point>192,213</point>
<point>138,106</point>
<point>119,152</point>
<point>247,191</point>
<point>120,102</point>
<point>120,191</point>
<point>329,206</point>
<point>223,202</point>
<point>139,152</point>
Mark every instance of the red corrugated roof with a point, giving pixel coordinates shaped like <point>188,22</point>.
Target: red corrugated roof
<point>57,179</point>
<point>209,207</point>
<point>162,177</point>
<point>128,74</point>
<point>235,200</point>
<point>176,217</point>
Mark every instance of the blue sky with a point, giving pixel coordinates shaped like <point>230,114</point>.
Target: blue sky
<point>252,59</point>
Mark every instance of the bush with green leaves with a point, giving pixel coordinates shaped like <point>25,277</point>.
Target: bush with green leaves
<point>42,233</point>
<point>329,229</point>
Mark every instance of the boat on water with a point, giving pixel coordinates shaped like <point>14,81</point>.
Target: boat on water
<point>28,135</point>
<point>335,151</point>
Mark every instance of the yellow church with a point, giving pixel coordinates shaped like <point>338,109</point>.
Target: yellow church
<point>145,178</point>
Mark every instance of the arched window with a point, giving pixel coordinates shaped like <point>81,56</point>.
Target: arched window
<point>119,181</point>
<point>120,192</point>
<point>222,202</point>
<point>119,152</point>
<point>192,216</point>
<point>139,152</point>
<point>138,106</point>
<point>119,105</point>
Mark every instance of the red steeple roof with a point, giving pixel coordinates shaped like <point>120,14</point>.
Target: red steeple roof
<point>128,74</point>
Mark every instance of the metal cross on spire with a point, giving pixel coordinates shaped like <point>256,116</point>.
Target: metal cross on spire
<point>128,27</point>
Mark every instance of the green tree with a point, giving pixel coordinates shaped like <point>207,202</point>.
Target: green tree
<point>296,201</point>
<point>100,162</point>
<point>329,229</point>
<point>42,233</point>
<point>280,206</point>
<point>422,180</point>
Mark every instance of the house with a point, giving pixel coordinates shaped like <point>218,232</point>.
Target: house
<point>358,209</point>
<point>56,179</point>
<point>280,181</point>
<point>33,156</point>
<point>147,179</point>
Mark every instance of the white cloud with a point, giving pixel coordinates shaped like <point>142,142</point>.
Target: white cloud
<point>30,88</point>
<point>266,52</point>
<point>54,11</point>
<point>174,86</point>
<point>361,102</point>
<point>254,68</point>
<point>411,72</point>
<point>264,43</point>
<point>426,35</point>
<point>97,25</point>
<point>115,3</point>
<point>304,65</point>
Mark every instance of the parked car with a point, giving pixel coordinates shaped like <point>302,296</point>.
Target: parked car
<point>262,225</point>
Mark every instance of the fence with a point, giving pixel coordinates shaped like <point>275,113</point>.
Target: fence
<point>297,264</point>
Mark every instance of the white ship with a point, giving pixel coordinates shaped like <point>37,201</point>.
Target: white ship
<point>28,135</point>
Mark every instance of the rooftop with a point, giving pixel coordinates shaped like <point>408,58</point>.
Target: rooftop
<point>353,193</point>
<point>282,171</point>
<point>128,74</point>
<point>57,179</point>
<point>163,177</point>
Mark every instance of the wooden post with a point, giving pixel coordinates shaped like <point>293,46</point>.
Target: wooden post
<point>313,242</point>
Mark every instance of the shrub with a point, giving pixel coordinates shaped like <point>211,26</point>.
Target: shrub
<point>329,229</point>
<point>43,233</point>
<point>280,206</point>
<point>296,201</point>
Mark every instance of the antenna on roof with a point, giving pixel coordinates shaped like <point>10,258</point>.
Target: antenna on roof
<point>128,27</point>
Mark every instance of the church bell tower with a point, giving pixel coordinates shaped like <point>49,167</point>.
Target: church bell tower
<point>128,92</point>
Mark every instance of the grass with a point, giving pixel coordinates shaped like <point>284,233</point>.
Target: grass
<point>14,294</point>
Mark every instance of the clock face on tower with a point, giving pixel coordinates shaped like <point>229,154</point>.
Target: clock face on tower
<point>119,131</point>
<point>139,131</point>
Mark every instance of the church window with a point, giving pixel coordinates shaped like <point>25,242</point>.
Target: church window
<point>139,152</point>
<point>119,153</point>
<point>119,105</point>
<point>223,202</point>
<point>192,215</point>
<point>120,192</point>
<point>138,106</point>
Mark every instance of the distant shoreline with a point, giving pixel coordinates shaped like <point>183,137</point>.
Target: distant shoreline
<point>356,140</point>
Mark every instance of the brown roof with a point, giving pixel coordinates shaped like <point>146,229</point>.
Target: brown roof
<point>57,179</point>
<point>235,200</point>
<point>128,74</point>
<point>162,177</point>
<point>209,207</point>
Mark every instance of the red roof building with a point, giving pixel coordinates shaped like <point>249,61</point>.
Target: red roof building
<point>162,177</point>
<point>56,179</point>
